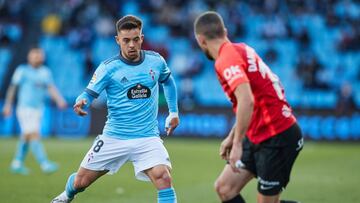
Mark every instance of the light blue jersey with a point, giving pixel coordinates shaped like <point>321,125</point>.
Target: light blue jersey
<point>132,90</point>
<point>32,85</point>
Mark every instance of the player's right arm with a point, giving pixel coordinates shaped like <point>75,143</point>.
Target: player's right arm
<point>234,78</point>
<point>226,144</point>
<point>97,84</point>
<point>10,93</point>
<point>245,101</point>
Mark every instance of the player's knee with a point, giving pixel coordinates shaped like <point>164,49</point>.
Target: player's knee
<point>166,177</point>
<point>223,190</point>
<point>162,178</point>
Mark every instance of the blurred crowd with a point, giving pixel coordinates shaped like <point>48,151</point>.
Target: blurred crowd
<point>318,30</point>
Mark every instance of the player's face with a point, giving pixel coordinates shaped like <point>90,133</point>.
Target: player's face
<point>130,43</point>
<point>36,57</point>
<point>203,45</point>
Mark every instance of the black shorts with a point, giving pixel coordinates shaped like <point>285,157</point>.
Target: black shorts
<point>271,161</point>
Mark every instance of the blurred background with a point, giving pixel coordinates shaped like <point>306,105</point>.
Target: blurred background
<point>312,45</point>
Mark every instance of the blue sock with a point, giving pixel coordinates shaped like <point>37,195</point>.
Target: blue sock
<point>38,150</point>
<point>167,195</point>
<point>21,151</point>
<point>69,188</point>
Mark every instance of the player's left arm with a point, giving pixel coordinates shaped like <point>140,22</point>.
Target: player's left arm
<point>53,91</point>
<point>245,101</point>
<point>56,96</point>
<point>170,92</point>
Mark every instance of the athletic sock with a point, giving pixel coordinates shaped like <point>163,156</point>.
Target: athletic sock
<point>167,195</point>
<point>21,151</point>
<point>69,188</point>
<point>236,199</point>
<point>38,150</point>
<point>288,201</point>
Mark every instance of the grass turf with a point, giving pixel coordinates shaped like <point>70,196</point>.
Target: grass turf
<point>324,172</point>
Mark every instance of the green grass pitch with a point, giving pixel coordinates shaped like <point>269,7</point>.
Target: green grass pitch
<point>324,172</point>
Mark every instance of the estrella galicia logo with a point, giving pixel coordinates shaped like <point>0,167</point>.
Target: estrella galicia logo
<point>139,92</point>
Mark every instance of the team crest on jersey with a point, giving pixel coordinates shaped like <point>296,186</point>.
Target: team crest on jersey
<point>139,92</point>
<point>286,111</point>
<point>90,157</point>
<point>93,79</point>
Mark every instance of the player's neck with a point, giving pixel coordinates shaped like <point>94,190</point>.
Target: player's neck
<point>131,60</point>
<point>35,66</point>
<point>214,46</point>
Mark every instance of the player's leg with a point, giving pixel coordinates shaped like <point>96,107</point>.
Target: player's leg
<point>268,199</point>
<point>151,162</point>
<point>274,162</point>
<point>17,165</point>
<point>161,178</point>
<point>105,155</point>
<point>229,184</point>
<point>33,120</point>
<point>78,182</point>
<point>38,150</point>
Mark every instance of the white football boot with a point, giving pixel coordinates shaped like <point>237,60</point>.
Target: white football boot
<point>62,198</point>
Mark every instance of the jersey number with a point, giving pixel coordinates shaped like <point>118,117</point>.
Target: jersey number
<point>98,146</point>
<point>265,70</point>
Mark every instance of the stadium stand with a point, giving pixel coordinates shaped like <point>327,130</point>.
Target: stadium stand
<point>313,46</point>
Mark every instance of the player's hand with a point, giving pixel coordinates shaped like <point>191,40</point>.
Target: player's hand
<point>225,147</point>
<point>61,104</point>
<point>78,107</point>
<point>171,122</point>
<point>235,156</point>
<point>6,111</point>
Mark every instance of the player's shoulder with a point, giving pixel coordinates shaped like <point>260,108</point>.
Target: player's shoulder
<point>235,48</point>
<point>45,69</point>
<point>21,67</point>
<point>110,60</point>
<point>230,54</point>
<point>153,55</point>
<point>109,65</point>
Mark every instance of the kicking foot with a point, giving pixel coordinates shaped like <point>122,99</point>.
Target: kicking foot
<point>62,198</point>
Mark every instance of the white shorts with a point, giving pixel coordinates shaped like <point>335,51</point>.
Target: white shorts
<point>110,154</point>
<point>29,119</point>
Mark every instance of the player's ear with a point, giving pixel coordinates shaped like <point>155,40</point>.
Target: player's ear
<point>202,40</point>
<point>226,32</point>
<point>117,39</point>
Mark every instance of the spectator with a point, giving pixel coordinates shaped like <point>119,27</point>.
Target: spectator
<point>346,102</point>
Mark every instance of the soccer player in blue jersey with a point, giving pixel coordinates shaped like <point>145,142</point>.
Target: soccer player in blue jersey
<point>33,81</point>
<point>131,81</point>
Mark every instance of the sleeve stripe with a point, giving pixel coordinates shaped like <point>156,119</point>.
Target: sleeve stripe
<point>91,92</point>
<point>167,77</point>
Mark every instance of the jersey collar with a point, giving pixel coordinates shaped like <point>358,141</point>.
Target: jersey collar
<point>133,63</point>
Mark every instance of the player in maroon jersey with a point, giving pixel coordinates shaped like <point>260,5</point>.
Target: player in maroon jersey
<point>273,139</point>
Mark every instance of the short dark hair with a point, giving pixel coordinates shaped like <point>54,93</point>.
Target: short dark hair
<point>128,22</point>
<point>210,24</point>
